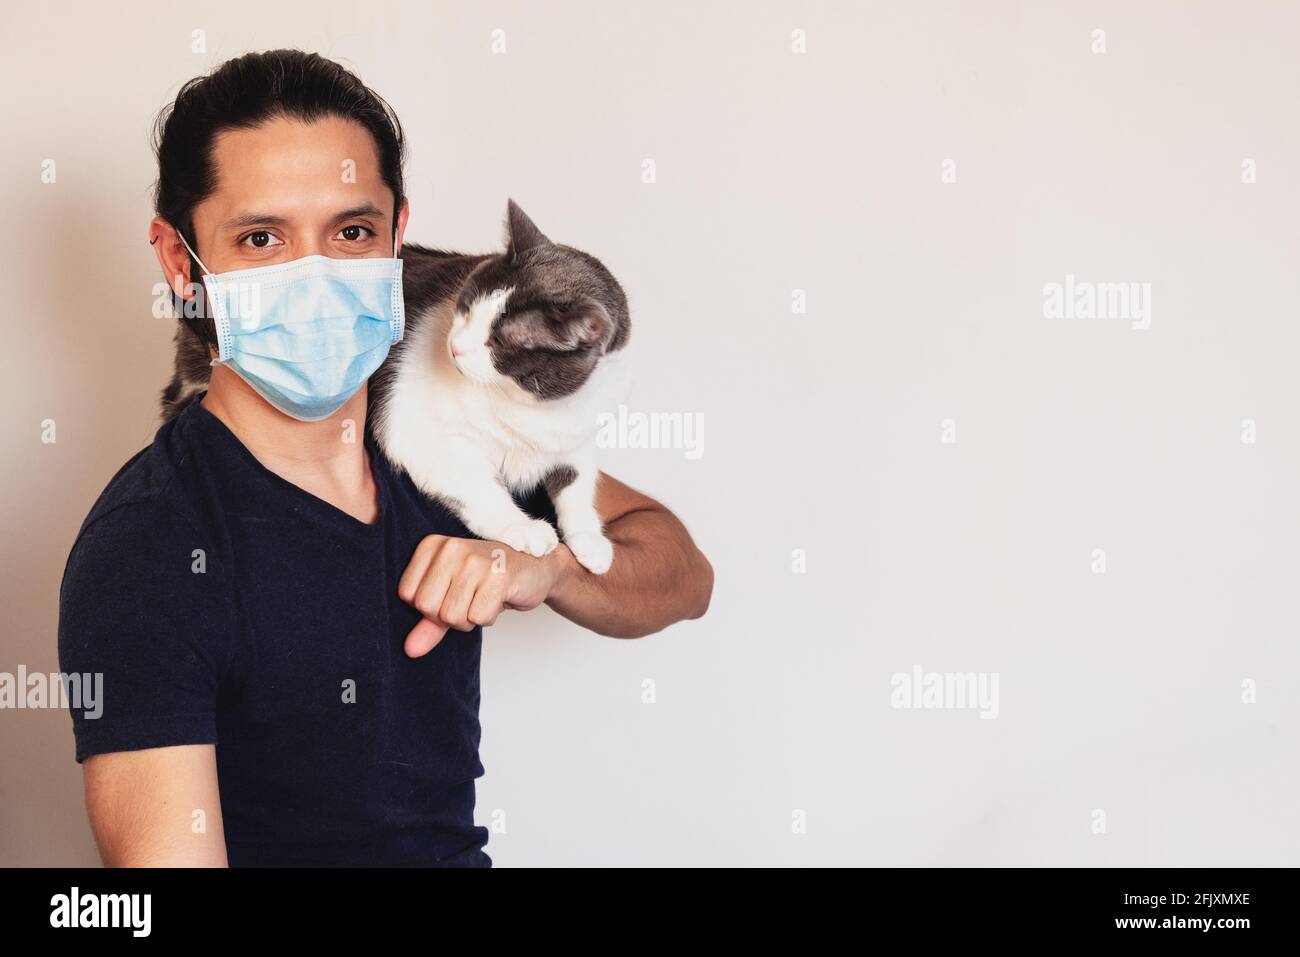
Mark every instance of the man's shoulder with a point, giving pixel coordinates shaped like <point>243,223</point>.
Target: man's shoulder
<point>147,494</point>
<point>143,554</point>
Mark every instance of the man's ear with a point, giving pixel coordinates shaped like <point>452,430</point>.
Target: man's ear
<point>521,233</point>
<point>172,256</point>
<point>403,215</point>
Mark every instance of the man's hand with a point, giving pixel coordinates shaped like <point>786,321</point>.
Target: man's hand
<point>463,582</point>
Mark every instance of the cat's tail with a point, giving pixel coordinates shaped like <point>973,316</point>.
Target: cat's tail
<point>191,374</point>
<point>177,397</point>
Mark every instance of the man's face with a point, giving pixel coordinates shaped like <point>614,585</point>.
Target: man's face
<point>289,189</point>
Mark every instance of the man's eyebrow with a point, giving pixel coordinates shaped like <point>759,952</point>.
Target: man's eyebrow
<point>245,220</point>
<point>253,219</point>
<point>357,212</point>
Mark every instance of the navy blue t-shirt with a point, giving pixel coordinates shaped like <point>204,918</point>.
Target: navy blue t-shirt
<point>225,605</point>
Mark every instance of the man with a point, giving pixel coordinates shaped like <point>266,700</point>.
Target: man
<point>289,633</point>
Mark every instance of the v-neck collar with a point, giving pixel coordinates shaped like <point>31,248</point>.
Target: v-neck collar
<point>214,430</point>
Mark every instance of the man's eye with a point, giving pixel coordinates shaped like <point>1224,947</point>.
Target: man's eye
<point>353,233</point>
<point>260,239</point>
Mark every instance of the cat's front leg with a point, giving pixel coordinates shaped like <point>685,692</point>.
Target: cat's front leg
<point>573,492</point>
<point>462,477</point>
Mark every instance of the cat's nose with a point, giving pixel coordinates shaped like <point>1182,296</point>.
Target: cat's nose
<point>456,350</point>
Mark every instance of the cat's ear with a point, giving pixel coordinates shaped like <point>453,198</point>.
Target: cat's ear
<point>587,326</point>
<point>521,233</point>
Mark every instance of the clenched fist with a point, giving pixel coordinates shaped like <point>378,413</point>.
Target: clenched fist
<point>463,582</point>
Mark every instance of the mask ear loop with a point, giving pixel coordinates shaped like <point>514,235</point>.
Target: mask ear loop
<point>221,341</point>
<point>181,236</point>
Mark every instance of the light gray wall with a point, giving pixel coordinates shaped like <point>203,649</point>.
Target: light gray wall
<point>779,171</point>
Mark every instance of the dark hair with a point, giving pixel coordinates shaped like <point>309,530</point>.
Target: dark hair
<point>243,93</point>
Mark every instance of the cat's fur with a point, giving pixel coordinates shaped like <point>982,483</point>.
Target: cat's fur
<point>506,363</point>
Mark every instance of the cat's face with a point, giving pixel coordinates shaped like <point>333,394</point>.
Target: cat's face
<point>539,317</point>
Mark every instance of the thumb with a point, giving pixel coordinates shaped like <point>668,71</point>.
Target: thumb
<point>424,637</point>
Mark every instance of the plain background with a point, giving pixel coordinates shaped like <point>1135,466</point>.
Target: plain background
<point>778,171</point>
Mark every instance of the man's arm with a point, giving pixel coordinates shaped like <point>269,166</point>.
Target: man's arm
<point>135,615</point>
<point>143,804</point>
<point>658,577</point>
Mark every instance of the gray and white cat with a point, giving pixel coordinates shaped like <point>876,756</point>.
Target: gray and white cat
<point>507,361</point>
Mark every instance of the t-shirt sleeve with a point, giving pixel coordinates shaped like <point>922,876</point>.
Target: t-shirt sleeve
<point>144,619</point>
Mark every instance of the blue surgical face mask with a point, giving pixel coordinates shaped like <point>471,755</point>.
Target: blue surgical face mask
<point>306,334</point>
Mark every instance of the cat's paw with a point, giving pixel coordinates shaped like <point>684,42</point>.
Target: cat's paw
<point>593,551</point>
<point>536,538</point>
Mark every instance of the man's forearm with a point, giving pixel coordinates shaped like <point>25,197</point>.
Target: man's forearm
<point>658,577</point>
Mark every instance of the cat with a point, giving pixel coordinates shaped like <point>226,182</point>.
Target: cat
<point>495,389</point>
